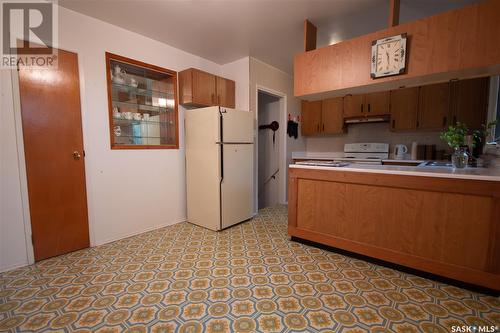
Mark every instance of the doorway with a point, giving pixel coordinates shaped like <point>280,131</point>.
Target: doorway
<point>269,129</point>
<point>54,157</point>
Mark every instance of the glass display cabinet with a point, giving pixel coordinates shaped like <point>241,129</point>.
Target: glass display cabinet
<point>142,102</point>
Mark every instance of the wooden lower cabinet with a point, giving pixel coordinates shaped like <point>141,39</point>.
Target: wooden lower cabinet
<point>443,226</point>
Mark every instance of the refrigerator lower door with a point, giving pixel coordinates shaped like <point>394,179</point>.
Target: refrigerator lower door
<point>237,183</point>
<point>203,158</point>
<point>237,126</point>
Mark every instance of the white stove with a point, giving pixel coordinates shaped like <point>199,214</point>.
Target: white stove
<point>366,152</point>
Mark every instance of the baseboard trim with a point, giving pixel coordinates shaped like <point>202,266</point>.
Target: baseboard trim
<point>12,267</point>
<point>135,233</point>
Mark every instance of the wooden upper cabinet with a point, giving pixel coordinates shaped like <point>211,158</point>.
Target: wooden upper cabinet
<point>470,102</point>
<point>434,106</point>
<point>377,104</point>
<point>374,104</point>
<point>311,118</point>
<point>332,119</point>
<point>226,90</point>
<point>354,106</point>
<point>198,88</point>
<point>404,109</point>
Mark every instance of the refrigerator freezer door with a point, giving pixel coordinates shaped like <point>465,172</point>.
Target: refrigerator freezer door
<point>203,168</point>
<point>237,183</point>
<point>237,126</point>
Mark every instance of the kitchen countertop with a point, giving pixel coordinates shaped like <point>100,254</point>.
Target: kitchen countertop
<point>491,174</point>
<point>339,156</point>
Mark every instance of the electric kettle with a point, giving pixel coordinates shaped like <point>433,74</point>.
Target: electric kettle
<point>400,151</point>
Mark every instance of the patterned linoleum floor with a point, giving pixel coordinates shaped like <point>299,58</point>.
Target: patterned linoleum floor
<point>249,278</point>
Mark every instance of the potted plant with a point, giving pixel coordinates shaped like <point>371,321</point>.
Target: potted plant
<point>457,138</point>
<point>454,136</point>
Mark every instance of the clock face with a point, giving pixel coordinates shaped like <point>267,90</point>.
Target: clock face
<point>388,56</point>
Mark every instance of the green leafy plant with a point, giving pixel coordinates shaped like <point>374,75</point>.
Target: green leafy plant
<point>484,132</point>
<point>454,136</point>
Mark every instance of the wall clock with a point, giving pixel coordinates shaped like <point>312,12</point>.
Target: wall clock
<point>388,56</point>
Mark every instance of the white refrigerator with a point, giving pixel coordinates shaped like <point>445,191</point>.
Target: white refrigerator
<point>219,166</point>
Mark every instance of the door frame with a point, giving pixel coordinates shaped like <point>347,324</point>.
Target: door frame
<point>21,160</point>
<point>282,195</point>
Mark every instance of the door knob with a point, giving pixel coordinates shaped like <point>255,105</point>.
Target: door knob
<point>76,155</point>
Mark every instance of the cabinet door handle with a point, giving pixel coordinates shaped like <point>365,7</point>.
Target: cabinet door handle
<point>454,120</point>
<point>317,128</point>
<point>361,108</point>
<point>394,123</point>
<point>218,99</point>
<point>444,121</point>
<point>323,127</point>
<point>213,98</point>
<point>369,107</point>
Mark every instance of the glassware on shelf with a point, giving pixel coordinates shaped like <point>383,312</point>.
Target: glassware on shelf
<point>143,104</point>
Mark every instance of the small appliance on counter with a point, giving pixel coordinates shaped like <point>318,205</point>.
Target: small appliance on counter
<point>372,153</point>
<point>400,151</point>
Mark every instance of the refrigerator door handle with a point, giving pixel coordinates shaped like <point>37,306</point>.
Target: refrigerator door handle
<point>221,162</point>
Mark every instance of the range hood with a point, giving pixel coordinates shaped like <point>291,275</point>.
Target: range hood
<point>360,120</point>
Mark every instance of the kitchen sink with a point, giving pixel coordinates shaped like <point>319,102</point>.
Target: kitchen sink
<point>438,164</point>
<point>323,163</point>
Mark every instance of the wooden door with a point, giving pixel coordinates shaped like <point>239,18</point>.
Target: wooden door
<point>53,145</point>
<point>204,88</point>
<point>470,99</point>
<point>332,117</point>
<point>311,118</point>
<point>226,90</point>
<point>404,108</point>
<point>354,106</point>
<point>377,104</point>
<point>434,106</point>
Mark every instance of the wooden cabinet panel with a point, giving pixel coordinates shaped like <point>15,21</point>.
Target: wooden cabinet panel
<point>377,104</point>
<point>226,90</point>
<point>455,43</point>
<point>200,89</point>
<point>353,106</point>
<point>311,118</point>
<point>404,108</point>
<point>470,102</point>
<point>203,88</point>
<point>332,118</point>
<point>434,106</point>
<point>419,222</point>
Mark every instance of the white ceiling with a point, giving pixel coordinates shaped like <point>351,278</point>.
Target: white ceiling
<point>269,30</point>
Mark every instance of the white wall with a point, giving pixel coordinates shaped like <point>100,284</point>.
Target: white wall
<point>239,71</point>
<point>12,237</point>
<point>129,191</point>
<point>265,76</point>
